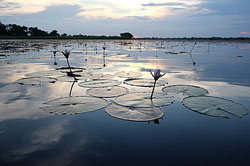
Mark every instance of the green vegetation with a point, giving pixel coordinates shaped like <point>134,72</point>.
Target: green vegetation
<point>126,35</point>
<point>13,31</point>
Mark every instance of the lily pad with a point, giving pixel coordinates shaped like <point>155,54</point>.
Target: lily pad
<point>143,100</point>
<point>35,80</point>
<point>130,74</point>
<point>45,73</point>
<point>134,114</point>
<point>108,92</point>
<point>214,106</point>
<point>188,90</point>
<point>66,79</point>
<point>13,88</point>
<point>99,83</point>
<point>100,76</point>
<point>144,82</point>
<point>73,69</point>
<point>75,105</point>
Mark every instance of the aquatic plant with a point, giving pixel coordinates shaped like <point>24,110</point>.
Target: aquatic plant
<point>192,48</point>
<point>214,106</point>
<point>142,100</point>
<point>54,52</point>
<point>156,50</point>
<point>66,53</point>
<point>156,75</point>
<point>86,48</point>
<point>186,90</point>
<point>134,114</point>
<point>190,53</point>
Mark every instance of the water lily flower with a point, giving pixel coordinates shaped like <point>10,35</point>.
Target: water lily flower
<point>66,53</point>
<point>156,75</point>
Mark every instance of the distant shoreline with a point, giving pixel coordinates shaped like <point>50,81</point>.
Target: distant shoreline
<point>119,38</point>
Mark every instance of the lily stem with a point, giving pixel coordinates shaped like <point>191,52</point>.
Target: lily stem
<point>151,97</point>
<point>69,65</point>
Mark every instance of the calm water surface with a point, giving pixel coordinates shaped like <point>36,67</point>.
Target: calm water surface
<point>31,136</point>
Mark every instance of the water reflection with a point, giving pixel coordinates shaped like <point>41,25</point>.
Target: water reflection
<point>30,136</point>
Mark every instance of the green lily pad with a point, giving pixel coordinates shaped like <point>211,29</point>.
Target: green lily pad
<point>144,82</point>
<point>66,79</point>
<point>143,100</point>
<point>131,74</point>
<point>188,90</point>
<point>72,68</point>
<point>45,73</point>
<point>108,92</point>
<point>35,80</point>
<point>75,105</point>
<point>100,76</point>
<point>99,83</point>
<point>214,106</point>
<point>134,114</point>
<point>13,88</point>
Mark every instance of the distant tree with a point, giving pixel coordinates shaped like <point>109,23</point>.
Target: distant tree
<point>3,31</point>
<point>54,33</point>
<point>16,30</point>
<point>64,34</point>
<point>126,35</point>
<point>34,31</point>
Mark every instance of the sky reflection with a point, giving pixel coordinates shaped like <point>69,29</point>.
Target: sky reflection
<point>30,136</point>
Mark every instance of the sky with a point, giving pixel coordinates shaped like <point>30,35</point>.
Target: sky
<point>142,18</point>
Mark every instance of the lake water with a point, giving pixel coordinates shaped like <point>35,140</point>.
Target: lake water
<point>31,136</point>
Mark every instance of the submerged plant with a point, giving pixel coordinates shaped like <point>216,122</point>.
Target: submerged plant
<point>156,75</point>
<point>54,52</point>
<point>190,53</point>
<point>66,53</point>
<point>192,48</point>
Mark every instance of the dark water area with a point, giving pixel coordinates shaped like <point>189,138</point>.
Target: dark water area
<point>31,136</point>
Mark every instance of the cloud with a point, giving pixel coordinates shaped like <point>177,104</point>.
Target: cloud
<point>14,7</point>
<point>101,9</point>
<point>164,4</point>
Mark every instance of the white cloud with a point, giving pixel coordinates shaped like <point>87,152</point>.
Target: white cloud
<point>11,7</point>
<point>100,9</point>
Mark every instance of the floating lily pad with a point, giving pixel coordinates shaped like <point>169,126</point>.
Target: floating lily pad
<point>100,76</point>
<point>94,67</point>
<point>144,82</point>
<point>99,83</point>
<point>73,69</point>
<point>75,105</point>
<point>66,79</point>
<point>214,106</point>
<point>188,90</point>
<point>45,73</point>
<point>143,100</point>
<point>13,88</point>
<point>35,80</point>
<point>108,92</point>
<point>134,114</point>
<point>130,74</point>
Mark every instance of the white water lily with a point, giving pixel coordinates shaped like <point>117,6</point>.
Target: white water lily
<point>66,53</point>
<point>156,75</point>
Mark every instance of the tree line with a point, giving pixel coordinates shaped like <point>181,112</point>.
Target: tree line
<point>17,31</point>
